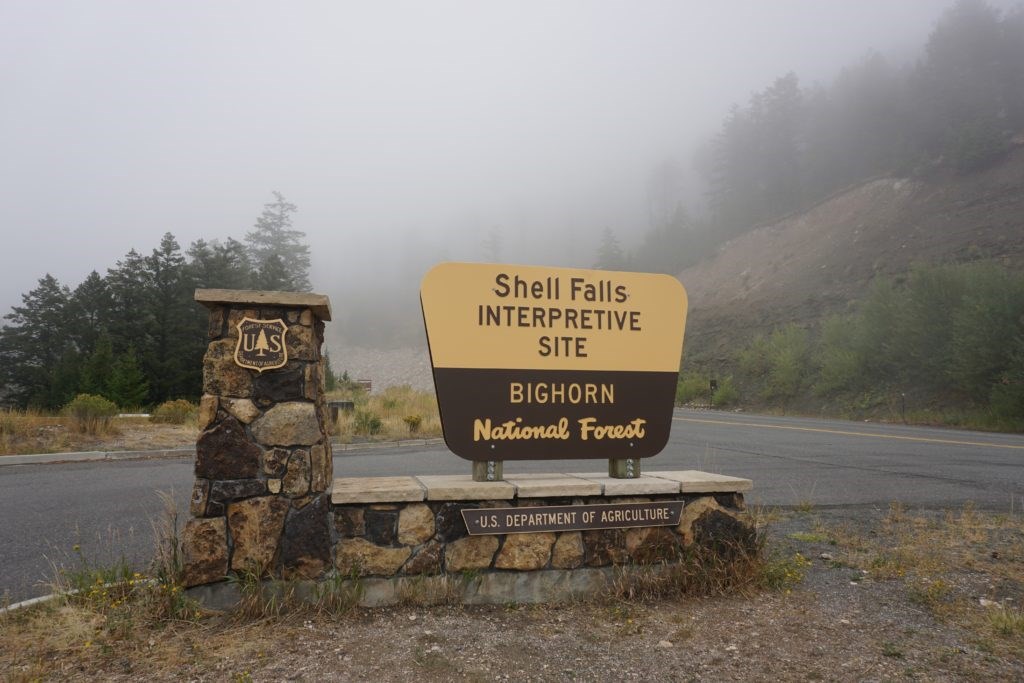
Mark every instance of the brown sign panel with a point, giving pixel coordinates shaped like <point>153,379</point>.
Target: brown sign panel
<point>535,363</point>
<point>261,344</point>
<point>524,520</point>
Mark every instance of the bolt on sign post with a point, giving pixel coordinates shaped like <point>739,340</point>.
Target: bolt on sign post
<point>537,363</point>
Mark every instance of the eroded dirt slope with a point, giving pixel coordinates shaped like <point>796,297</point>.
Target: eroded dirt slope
<point>814,263</point>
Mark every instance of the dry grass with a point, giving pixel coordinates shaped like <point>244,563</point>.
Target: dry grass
<point>32,431</point>
<point>965,567</point>
<point>386,416</point>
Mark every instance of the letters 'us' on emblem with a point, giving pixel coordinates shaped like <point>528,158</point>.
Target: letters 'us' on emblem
<point>261,344</point>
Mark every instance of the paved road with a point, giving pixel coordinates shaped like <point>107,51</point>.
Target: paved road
<point>107,507</point>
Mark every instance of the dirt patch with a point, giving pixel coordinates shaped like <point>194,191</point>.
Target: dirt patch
<point>858,614</point>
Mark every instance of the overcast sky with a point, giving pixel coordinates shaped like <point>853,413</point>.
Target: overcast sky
<point>387,123</point>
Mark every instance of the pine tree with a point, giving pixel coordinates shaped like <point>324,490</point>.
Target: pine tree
<point>97,368</point>
<point>172,361</point>
<point>273,236</point>
<point>127,386</point>
<point>330,379</point>
<point>609,254</point>
<point>91,305</point>
<point>131,296</point>
<point>35,343</point>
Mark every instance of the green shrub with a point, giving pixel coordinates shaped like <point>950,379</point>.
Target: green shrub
<point>176,412</point>
<point>726,395</point>
<point>839,363</point>
<point>689,387</point>
<point>367,423</point>
<point>91,414</point>
<point>413,422</point>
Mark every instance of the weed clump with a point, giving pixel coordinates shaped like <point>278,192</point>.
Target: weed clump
<point>91,414</point>
<point>176,412</point>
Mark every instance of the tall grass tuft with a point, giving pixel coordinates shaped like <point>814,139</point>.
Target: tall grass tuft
<point>91,414</point>
<point>397,412</point>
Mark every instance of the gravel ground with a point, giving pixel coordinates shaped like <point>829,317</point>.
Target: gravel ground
<point>842,622</point>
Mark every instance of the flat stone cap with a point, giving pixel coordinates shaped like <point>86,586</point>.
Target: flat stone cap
<point>318,303</point>
<point>462,487</point>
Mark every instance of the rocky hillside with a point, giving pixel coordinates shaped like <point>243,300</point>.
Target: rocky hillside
<point>814,263</point>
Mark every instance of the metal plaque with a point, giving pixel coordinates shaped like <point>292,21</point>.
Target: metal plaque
<point>261,344</point>
<point>524,520</point>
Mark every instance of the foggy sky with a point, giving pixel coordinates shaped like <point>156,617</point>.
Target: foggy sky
<point>388,124</point>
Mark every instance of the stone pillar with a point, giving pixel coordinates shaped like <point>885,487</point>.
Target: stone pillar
<point>263,464</point>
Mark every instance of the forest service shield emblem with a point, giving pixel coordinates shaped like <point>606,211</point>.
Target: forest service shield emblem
<point>261,345</point>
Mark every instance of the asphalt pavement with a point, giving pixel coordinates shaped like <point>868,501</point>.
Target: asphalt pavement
<point>106,507</point>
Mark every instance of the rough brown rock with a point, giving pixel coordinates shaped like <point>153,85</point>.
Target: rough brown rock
<point>296,477</point>
<point>311,381</point>
<point>204,549</point>
<point>216,324</point>
<point>525,552</point>
<point>200,496</point>
<point>234,317</point>
<point>322,467</point>
<point>225,452</point>
<point>648,545</point>
<point>449,522</point>
<point>604,547</point>
<point>725,535</point>
<point>471,552</point>
<point>242,409</point>
<point>306,541</point>
<point>302,344</point>
<point>221,375</point>
<point>275,460</point>
<point>568,552</point>
<point>349,522</point>
<point>691,512</point>
<point>381,525</point>
<point>256,525</point>
<point>415,524</point>
<point>427,560</point>
<point>288,424</point>
<point>357,556</point>
<point>208,405</point>
<point>274,486</point>
<point>278,386</point>
<point>226,491</point>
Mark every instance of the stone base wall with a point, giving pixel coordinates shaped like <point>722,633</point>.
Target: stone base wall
<point>430,538</point>
<point>263,468</point>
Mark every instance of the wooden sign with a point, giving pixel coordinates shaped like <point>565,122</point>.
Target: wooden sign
<point>535,363</point>
<point>261,344</point>
<point>571,517</point>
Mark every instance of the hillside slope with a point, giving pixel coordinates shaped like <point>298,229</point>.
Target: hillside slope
<point>814,263</point>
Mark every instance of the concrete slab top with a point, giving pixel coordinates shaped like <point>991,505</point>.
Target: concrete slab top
<point>462,487</point>
<point>553,485</point>
<point>533,485</point>
<point>318,303</point>
<point>376,490</point>
<point>695,481</point>
<point>641,486</point>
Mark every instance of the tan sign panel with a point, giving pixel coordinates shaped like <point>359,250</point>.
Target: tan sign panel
<point>261,344</point>
<point>537,363</point>
<point>500,316</point>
